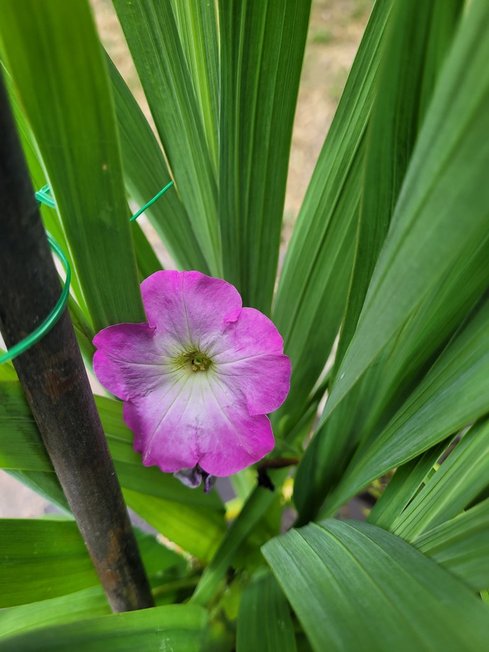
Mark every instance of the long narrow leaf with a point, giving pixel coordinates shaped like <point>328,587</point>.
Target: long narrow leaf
<point>357,587</point>
<point>42,559</point>
<point>452,395</point>
<point>146,173</point>
<point>443,301</point>
<point>264,622</point>
<point>404,88</point>
<point>441,216</point>
<point>79,146</point>
<point>314,283</point>
<point>79,605</point>
<point>262,47</point>
<point>462,545</point>
<point>154,41</point>
<point>458,481</point>
<point>176,627</point>
<point>401,489</point>
<point>197,26</point>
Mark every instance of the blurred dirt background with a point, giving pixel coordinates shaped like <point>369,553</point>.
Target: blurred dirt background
<point>335,30</point>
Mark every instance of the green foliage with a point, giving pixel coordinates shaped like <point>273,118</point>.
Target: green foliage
<point>160,58</point>
<point>79,148</point>
<point>43,559</point>
<point>382,300</point>
<point>176,627</point>
<point>264,622</point>
<point>146,173</point>
<point>262,44</point>
<point>355,586</point>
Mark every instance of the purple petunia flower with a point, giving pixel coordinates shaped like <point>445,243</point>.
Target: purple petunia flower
<point>198,379</point>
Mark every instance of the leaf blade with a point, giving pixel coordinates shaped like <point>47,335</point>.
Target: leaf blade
<point>426,238</point>
<point>83,165</point>
<point>327,570</point>
<point>152,35</point>
<point>264,622</point>
<point>179,626</point>
<point>262,46</point>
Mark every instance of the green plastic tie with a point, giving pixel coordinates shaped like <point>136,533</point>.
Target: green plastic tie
<point>43,196</point>
<point>53,316</point>
<point>151,201</point>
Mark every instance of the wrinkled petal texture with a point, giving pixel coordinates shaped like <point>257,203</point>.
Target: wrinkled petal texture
<point>180,418</point>
<point>188,306</point>
<point>127,361</point>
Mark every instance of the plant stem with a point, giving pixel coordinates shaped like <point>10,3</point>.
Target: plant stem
<point>56,385</point>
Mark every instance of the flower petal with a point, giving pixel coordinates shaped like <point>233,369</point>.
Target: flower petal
<point>129,361</point>
<point>157,421</point>
<point>189,306</point>
<point>251,334</point>
<point>263,379</point>
<point>198,420</point>
<point>249,358</point>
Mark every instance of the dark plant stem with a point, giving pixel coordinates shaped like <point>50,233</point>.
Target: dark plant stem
<point>56,385</point>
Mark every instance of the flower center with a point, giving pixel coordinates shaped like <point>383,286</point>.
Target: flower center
<point>196,361</point>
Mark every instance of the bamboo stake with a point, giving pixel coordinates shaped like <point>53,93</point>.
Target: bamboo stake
<point>56,385</point>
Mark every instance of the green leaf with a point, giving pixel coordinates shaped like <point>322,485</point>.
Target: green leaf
<point>458,481</point>
<point>175,627</point>
<point>146,173</point>
<point>71,114</point>
<point>146,258</point>
<point>79,605</point>
<point>264,622</point>
<point>354,586</point>
<point>197,27</point>
<point>153,38</point>
<point>454,393</point>
<point>253,510</point>
<point>404,485</point>
<point>7,371</point>
<point>21,447</point>
<point>362,417</point>
<point>313,286</point>
<point>44,559</point>
<point>403,91</point>
<point>427,240</point>
<point>262,47</point>
<point>50,218</point>
<point>461,545</point>
<point>396,119</point>
<point>193,528</point>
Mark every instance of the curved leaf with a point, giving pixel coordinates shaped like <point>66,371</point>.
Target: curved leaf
<point>146,173</point>
<point>71,114</point>
<point>152,35</point>
<point>313,286</point>
<point>445,180</point>
<point>264,622</point>
<point>176,627</point>
<point>454,393</point>
<point>262,47</point>
<point>357,587</point>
